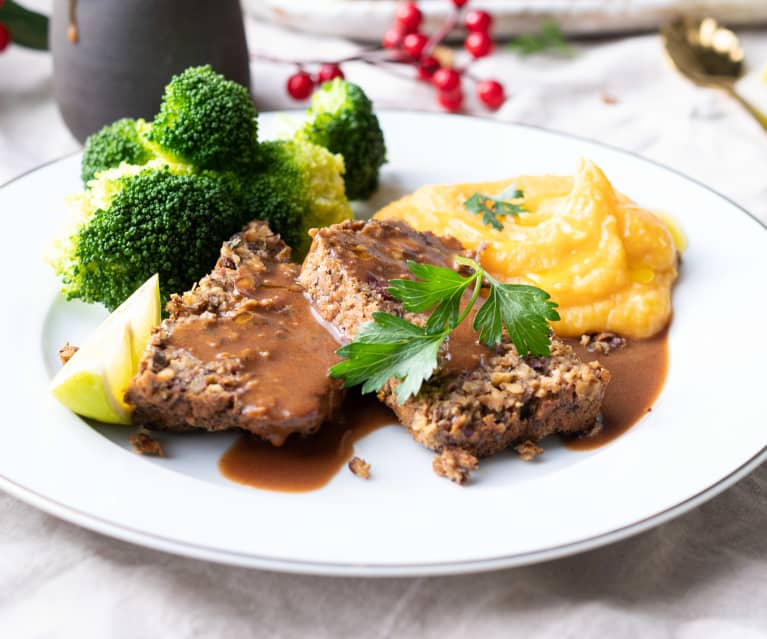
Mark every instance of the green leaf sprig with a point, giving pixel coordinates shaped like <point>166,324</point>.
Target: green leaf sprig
<point>550,38</point>
<point>490,207</point>
<point>27,28</point>
<point>391,347</point>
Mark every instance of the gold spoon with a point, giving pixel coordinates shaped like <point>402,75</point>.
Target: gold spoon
<point>708,54</point>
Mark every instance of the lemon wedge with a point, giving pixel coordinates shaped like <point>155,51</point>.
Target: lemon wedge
<point>94,381</point>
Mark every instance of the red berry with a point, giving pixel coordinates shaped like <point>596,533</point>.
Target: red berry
<point>490,92</point>
<point>408,17</point>
<point>427,67</point>
<point>414,43</point>
<point>5,36</point>
<point>478,44</point>
<point>392,39</point>
<point>447,80</point>
<point>460,3</point>
<point>300,85</point>
<point>478,21</point>
<point>329,72</point>
<point>450,100</point>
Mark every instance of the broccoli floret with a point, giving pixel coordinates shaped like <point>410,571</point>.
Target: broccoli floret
<point>121,141</point>
<point>299,186</point>
<point>134,221</point>
<point>163,200</point>
<point>342,121</point>
<point>207,121</point>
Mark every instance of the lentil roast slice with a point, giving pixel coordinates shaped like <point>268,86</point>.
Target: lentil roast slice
<point>241,350</point>
<point>480,400</point>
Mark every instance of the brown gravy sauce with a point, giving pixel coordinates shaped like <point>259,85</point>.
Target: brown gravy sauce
<point>638,372</point>
<point>308,463</point>
<point>378,253</point>
<point>284,353</point>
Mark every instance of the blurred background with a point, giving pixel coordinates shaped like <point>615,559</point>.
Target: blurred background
<point>595,68</point>
<point>368,19</point>
<point>609,49</point>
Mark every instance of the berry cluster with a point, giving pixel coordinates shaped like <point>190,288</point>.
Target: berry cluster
<point>5,35</point>
<point>22,27</point>
<point>404,43</point>
<point>301,84</point>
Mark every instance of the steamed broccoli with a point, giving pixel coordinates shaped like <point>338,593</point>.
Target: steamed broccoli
<point>162,197</point>
<point>299,185</point>
<point>342,120</point>
<point>121,141</point>
<point>207,121</point>
<point>135,221</point>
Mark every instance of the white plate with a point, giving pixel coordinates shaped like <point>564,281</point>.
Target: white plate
<point>707,429</point>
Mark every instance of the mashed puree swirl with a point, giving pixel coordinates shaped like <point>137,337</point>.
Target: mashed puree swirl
<point>607,262</point>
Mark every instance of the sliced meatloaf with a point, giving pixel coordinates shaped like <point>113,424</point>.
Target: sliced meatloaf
<point>480,400</point>
<point>241,350</point>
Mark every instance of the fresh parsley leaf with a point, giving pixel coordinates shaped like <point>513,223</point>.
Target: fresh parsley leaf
<point>523,311</point>
<point>391,347</point>
<point>387,347</point>
<point>550,38</point>
<point>490,207</point>
<point>438,288</point>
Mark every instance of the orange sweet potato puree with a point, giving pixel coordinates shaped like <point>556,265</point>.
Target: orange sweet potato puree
<point>607,262</point>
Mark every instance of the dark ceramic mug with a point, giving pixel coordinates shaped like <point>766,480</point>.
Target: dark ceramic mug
<point>127,51</point>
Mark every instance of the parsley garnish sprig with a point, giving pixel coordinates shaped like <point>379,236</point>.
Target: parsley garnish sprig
<point>550,38</point>
<point>391,347</point>
<point>490,207</point>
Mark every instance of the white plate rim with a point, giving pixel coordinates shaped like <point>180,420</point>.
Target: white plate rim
<point>372,569</point>
<point>250,560</point>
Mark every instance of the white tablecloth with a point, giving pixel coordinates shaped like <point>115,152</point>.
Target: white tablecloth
<point>702,575</point>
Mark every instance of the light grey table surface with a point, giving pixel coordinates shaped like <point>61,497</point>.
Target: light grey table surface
<point>702,575</point>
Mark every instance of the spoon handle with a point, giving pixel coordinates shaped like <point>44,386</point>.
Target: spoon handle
<point>756,113</point>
